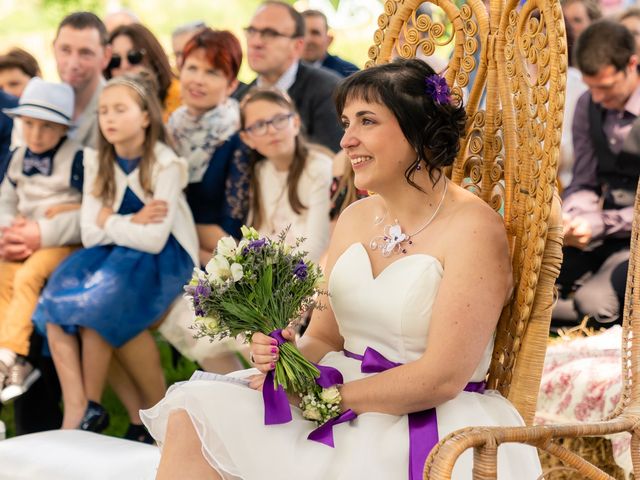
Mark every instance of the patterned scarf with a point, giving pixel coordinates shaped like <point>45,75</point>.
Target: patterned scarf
<point>197,138</point>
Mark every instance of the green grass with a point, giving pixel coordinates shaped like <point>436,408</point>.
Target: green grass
<point>119,419</point>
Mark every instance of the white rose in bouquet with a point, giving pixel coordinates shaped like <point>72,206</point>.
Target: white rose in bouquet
<point>330,395</point>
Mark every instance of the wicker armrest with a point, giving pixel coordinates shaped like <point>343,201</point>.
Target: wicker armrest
<point>486,440</point>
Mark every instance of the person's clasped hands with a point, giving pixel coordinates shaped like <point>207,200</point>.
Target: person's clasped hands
<point>19,240</point>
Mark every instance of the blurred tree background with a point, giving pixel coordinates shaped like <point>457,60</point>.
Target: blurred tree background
<point>31,24</point>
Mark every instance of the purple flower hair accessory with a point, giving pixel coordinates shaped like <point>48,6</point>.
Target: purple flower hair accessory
<point>437,87</point>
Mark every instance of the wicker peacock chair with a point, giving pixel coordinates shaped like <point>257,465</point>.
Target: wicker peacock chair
<point>517,56</point>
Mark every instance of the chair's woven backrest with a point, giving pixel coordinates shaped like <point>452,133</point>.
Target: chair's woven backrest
<point>517,56</point>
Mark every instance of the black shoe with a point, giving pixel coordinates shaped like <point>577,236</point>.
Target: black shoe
<point>95,419</point>
<point>138,433</point>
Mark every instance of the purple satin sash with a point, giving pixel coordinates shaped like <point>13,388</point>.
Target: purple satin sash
<point>423,426</point>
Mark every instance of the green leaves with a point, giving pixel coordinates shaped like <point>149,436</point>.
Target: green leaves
<point>264,286</point>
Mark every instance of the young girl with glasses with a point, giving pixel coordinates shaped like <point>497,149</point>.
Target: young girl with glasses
<point>140,249</point>
<point>290,179</point>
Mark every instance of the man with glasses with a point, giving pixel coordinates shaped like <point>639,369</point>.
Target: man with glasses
<point>275,41</point>
<point>81,54</point>
<point>598,203</point>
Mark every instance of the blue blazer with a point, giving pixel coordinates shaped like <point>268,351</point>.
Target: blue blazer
<point>338,65</point>
<point>6,125</point>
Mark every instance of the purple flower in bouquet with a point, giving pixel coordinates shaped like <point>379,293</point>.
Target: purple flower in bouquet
<point>199,291</point>
<point>438,88</point>
<point>254,245</point>
<point>202,289</point>
<point>300,270</point>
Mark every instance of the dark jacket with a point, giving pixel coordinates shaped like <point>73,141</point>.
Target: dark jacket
<point>338,65</point>
<point>312,93</point>
<point>589,195</point>
<point>6,125</point>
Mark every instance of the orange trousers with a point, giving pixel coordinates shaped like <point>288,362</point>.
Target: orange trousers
<point>20,286</point>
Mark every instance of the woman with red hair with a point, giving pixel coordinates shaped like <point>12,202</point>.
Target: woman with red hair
<point>205,132</point>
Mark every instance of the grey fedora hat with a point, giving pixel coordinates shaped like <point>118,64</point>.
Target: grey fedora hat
<point>45,101</point>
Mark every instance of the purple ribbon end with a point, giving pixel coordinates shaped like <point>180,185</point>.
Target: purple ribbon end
<point>324,433</point>
<point>276,404</point>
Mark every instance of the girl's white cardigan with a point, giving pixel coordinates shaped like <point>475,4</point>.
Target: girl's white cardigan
<point>168,180</point>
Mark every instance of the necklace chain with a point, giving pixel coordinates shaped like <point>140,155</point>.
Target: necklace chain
<point>393,239</point>
<point>446,184</point>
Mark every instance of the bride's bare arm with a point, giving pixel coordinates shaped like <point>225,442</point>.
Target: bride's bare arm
<point>474,287</point>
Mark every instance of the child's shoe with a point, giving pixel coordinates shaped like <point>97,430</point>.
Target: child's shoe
<point>95,419</point>
<point>138,433</point>
<point>21,376</point>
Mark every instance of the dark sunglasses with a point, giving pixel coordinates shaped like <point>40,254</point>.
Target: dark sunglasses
<point>134,57</point>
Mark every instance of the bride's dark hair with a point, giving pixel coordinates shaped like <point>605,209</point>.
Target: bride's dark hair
<point>433,129</point>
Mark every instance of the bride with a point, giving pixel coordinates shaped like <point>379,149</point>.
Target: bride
<point>417,273</point>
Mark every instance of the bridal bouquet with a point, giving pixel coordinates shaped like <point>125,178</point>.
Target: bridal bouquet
<point>258,285</point>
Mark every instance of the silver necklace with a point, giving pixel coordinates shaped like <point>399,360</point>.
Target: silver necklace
<point>393,238</point>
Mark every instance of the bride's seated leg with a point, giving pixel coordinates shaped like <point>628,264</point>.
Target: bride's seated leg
<point>65,351</point>
<point>182,451</point>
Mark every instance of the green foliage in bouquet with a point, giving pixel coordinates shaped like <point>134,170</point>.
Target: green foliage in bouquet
<point>258,285</point>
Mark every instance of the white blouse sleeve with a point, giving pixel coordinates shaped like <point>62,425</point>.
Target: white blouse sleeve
<point>92,235</point>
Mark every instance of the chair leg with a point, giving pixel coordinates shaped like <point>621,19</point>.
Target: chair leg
<point>485,462</point>
<point>635,450</point>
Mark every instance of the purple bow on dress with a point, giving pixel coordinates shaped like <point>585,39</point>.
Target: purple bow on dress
<point>423,426</point>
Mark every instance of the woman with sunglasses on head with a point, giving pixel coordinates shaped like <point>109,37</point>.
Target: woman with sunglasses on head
<point>135,48</point>
<point>290,179</point>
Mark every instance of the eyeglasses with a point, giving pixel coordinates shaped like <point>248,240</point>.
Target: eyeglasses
<point>279,122</point>
<point>266,33</point>
<point>134,57</point>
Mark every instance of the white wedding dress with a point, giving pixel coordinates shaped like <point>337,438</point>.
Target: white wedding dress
<point>389,313</point>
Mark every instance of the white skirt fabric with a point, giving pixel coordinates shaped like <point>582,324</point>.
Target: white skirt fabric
<point>229,420</point>
<point>390,313</point>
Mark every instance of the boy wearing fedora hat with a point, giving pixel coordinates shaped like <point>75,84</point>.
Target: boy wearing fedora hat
<point>39,220</point>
